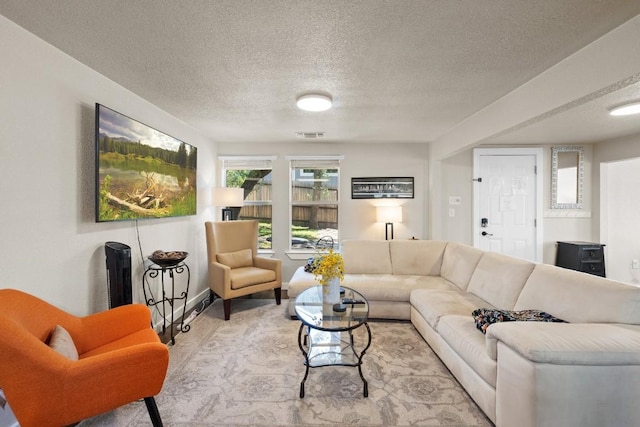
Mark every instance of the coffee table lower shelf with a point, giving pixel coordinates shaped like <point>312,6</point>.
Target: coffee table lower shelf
<point>331,348</point>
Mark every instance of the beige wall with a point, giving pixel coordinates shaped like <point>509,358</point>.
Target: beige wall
<point>51,245</point>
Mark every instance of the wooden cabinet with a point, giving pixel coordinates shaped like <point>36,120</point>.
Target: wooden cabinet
<point>581,256</point>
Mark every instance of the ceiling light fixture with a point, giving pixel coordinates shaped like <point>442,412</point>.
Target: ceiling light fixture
<point>314,102</point>
<point>626,109</point>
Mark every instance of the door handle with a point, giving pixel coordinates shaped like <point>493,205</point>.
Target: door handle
<point>484,233</point>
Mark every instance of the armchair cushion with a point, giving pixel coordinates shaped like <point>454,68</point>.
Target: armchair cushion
<point>62,342</point>
<point>247,276</point>
<point>237,259</point>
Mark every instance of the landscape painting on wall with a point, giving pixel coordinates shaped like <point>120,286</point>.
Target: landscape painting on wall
<point>140,171</point>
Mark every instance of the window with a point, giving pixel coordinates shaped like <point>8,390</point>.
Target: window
<point>315,198</point>
<point>253,174</point>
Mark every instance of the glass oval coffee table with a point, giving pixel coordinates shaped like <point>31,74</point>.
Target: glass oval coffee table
<point>326,334</point>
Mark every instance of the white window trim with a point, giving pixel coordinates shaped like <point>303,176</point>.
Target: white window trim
<point>268,253</point>
<point>303,254</point>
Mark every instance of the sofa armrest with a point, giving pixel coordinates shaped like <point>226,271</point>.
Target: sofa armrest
<point>569,344</point>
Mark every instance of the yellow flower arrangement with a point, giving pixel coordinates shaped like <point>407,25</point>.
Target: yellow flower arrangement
<point>328,266</point>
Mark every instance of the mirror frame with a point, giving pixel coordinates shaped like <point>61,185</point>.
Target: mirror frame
<point>554,176</point>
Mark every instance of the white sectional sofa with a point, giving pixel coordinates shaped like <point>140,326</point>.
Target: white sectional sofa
<point>582,373</point>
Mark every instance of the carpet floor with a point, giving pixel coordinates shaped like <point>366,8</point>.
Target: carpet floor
<point>247,372</point>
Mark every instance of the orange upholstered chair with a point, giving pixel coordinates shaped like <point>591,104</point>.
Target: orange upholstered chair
<point>120,359</point>
<point>235,269</point>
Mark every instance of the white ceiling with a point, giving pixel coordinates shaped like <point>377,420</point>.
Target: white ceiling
<point>398,71</point>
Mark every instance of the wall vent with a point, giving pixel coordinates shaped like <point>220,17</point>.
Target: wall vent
<point>310,135</point>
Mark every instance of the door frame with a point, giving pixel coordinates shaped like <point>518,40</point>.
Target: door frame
<point>529,151</point>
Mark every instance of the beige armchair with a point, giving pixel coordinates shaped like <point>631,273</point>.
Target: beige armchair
<point>235,270</point>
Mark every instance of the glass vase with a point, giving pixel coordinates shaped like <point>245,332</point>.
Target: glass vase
<point>331,293</point>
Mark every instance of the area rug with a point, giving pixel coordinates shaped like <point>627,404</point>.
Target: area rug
<point>247,372</point>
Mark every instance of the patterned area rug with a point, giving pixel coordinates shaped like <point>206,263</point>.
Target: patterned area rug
<point>247,372</point>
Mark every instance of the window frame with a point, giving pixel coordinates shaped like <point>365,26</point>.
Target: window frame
<point>315,162</point>
<point>250,163</point>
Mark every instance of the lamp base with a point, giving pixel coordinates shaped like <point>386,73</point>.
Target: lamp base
<point>388,226</point>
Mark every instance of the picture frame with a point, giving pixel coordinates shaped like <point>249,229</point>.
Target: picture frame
<point>382,188</point>
<point>227,214</point>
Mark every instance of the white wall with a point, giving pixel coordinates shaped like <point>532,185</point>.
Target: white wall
<point>568,225</point>
<point>457,181</point>
<point>623,225</point>
<point>51,245</point>
<point>617,177</point>
<point>357,217</point>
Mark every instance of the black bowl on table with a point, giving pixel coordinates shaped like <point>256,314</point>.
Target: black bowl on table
<point>168,259</point>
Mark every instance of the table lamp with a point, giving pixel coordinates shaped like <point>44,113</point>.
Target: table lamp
<point>389,215</point>
<point>228,197</point>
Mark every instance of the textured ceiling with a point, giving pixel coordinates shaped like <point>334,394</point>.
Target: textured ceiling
<point>398,71</point>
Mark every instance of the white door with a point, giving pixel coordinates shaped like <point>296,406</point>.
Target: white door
<point>508,202</point>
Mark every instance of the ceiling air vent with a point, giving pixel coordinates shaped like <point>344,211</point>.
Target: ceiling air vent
<point>310,135</point>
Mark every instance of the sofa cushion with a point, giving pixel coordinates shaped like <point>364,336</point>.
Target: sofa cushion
<point>388,287</point>
<point>498,279</point>
<point>484,317</point>
<point>375,287</point>
<point>459,262</point>
<point>432,304</point>
<point>62,342</point>
<point>580,297</point>
<point>417,257</point>
<point>460,333</point>
<point>242,258</point>
<point>366,256</point>
<point>300,281</point>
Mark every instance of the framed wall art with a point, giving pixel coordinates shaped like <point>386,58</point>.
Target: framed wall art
<point>382,188</point>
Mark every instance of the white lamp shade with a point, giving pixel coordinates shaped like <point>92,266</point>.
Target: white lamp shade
<point>228,196</point>
<point>389,213</point>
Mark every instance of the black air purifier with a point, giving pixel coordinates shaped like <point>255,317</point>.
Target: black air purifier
<point>118,273</point>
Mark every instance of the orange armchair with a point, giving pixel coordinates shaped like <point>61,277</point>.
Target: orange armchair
<point>120,360</point>
<point>235,270</point>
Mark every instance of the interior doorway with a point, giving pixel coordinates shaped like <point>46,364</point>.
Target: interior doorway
<point>507,201</point>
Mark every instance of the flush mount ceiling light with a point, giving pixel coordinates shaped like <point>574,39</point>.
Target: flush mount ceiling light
<point>314,102</point>
<point>626,109</point>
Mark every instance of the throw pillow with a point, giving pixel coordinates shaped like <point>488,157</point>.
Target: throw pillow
<point>242,258</point>
<point>485,317</point>
<point>62,342</point>
<point>309,266</point>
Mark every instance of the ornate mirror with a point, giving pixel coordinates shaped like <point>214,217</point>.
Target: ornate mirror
<point>567,169</point>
